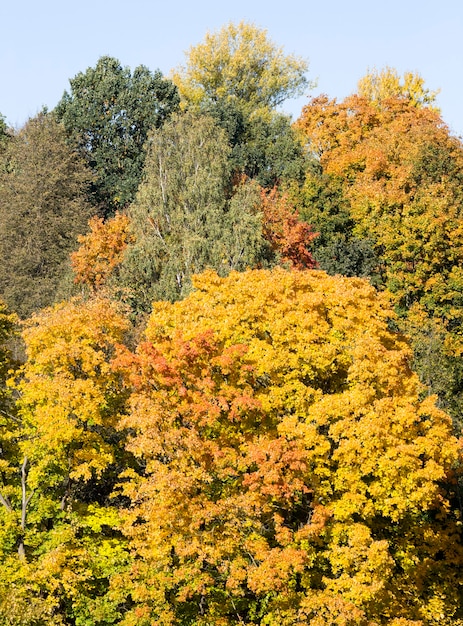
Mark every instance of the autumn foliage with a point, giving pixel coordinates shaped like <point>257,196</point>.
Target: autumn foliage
<point>402,172</point>
<point>101,250</point>
<point>285,231</point>
<point>292,474</point>
<point>250,412</point>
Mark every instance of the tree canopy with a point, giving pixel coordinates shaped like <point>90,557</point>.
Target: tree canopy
<point>108,114</point>
<point>247,409</point>
<point>185,218</point>
<point>240,64</point>
<point>292,470</point>
<point>43,208</point>
<point>401,173</point>
<point>379,85</point>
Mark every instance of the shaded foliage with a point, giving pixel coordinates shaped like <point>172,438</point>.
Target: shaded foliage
<point>43,209</point>
<point>108,114</point>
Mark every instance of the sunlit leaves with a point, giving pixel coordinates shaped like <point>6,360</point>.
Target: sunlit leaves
<point>101,251</point>
<point>378,86</point>
<point>241,64</point>
<point>401,174</point>
<point>69,398</point>
<point>286,454</point>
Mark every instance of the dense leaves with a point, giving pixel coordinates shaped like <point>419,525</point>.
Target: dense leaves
<point>101,251</point>
<point>378,86</point>
<point>292,473</point>
<point>42,211</point>
<point>240,64</point>
<point>401,176</point>
<point>70,401</point>
<point>108,114</point>
<point>290,237</point>
<point>185,217</point>
<point>252,447</point>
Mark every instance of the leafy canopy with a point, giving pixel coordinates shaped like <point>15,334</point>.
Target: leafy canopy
<point>185,218</point>
<point>108,114</point>
<point>240,64</point>
<point>43,208</point>
<point>291,471</point>
<point>379,85</point>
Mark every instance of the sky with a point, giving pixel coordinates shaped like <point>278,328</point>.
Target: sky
<point>45,43</point>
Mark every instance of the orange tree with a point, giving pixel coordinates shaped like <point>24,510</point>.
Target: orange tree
<point>402,173</point>
<point>401,178</point>
<point>101,251</point>
<point>291,469</point>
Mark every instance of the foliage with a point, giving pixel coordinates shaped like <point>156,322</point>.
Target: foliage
<point>240,64</point>
<point>9,444</point>
<point>291,472</point>
<point>69,405</point>
<point>269,151</point>
<point>287,234</point>
<point>264,146</point>
<point>4,134</point>
<point>101,251</point>
<point>184,219</point>
<point>108,114</point>
<point>402,176</point>
<point>377,86</point>
<point>42,210</point>
<point>69,399</point>
<point>322,203</point>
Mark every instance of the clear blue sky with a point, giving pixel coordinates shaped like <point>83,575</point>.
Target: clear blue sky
<point>44,43</point>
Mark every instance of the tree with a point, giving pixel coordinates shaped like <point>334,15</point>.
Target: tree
<point>4,135</point>
<point>69,403</point>
<point>184,218</point>
<point>42,210</point>
<point>108,114</point>
<point>241,65</point>
<point>292,470</point>
<point>101,251</point>
<point>239,76</point>
<point>377,86</point>
<point>9,448</point>
<point>287,234</point>
<point>322,203</point>
<point>401,174</point>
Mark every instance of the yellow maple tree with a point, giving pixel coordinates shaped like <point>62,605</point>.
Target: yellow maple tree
<point>292,471</point>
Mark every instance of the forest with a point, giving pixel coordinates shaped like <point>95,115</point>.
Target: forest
<point>231,374</point>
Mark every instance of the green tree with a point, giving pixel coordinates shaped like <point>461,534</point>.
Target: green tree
<point>4,135</point>
<point>239,76</point>
<point>186,216</point>
<point>240,64</point>
<point>264,146</point>
<point>42,210</point>
<point>323,204</point>
<point>107,114</point>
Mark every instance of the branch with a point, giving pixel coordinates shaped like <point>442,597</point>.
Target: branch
<point>25,499</point>
<point>6,503</point>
